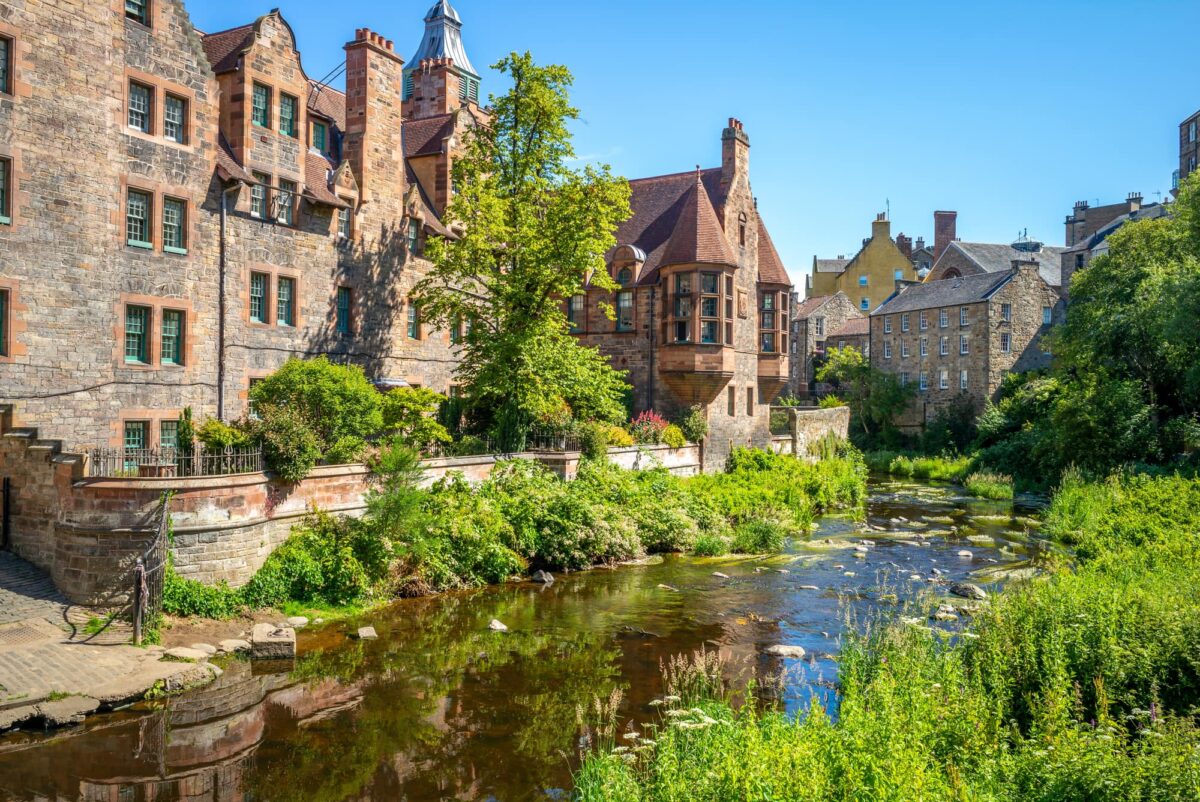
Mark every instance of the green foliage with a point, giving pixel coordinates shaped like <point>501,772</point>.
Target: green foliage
<point>338,402</point>
<point>989,485</point>
<point>534,231</point>
<point>648,427</point>
<point>619,437</point>
<point>759,537</point>
<point>829,402</point>
<point>673,437</point>
<point>410,412</point>
<point>915,466</point>
<point>187,597</point>
<point>710,545</point>
<point>594,440</point>
<point>953,429</point>
<point>218,436</point>
<point>875,397</point>
<point>1081,687</point>
<point>290,447</point>
<point>694,424</point>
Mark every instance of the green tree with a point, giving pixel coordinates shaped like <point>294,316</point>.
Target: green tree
<point>875,397</point>
<point>409,412</point>
<point>533,231</point>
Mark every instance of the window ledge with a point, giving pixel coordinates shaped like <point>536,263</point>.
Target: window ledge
<point>145,246</point>
<point>177,251</point>
<point>5,220</point>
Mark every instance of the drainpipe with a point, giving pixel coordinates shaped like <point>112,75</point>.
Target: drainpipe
<point>221,303</point>
<point>650,382</point>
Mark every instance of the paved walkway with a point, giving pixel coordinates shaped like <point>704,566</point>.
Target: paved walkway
<point>46,651</point>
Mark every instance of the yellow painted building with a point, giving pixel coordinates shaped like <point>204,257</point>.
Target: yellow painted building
<point>870,277</point>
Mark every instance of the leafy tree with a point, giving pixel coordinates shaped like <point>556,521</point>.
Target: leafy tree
<point>410,411</point>
<point>875,397</point>
<point>533,231</point>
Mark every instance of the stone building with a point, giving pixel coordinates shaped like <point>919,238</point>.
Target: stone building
<point>960,336</point>
<point>702,313</point>
<point>813,319</point>
<point>1189,149</point>
<point>871,275</point>
<point>954,258</point>
<point>199,209</point>
<point>1088,231</point>
<point>854,333</point>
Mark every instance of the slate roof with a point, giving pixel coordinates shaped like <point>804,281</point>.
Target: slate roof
<point>998,258</point>
<point>944,292</point>
<point>328,102</point>
<point>809,305</point>
<point>830,265</point>
<point>854,327</point>
<point>425,137</point>
<point>657,203</point>
<point>697,236</point>
<point>770,266</point>
<point>224,47</point>
<point>1148,212</point>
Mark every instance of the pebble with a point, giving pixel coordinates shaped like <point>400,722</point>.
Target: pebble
<point>720,575</point>
<point>207,648</point>
<point>849,573</point>
<point>543,577</point>
<point>809,587</point>
<point>966,555</point>
<point>297,622</point>
<point>496,626</point>
<point>668,587</point>
<point>234,645</point>
<point>780,650</point>
<point>367,633</point>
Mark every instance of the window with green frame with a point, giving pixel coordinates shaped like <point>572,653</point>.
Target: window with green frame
<point>168,435</point>
<point>6,65</point>
<point>414,321</point>
<point>344,299</point>
<point>625,310</point>
<point>413,236</point>
<point>136,433</point>
<point>171,346</point>
<point>289,115</point>
<point>137,219</point>
<point>258,298</point>
<point>5,192</point>
<point>258,195</point>
<point>138,11</point>
<point>456,331</point>
<point>174,226</point>
<point>137,334</point>
<point>344,223</point>
<point>320,136</point>
<point>260,110</point>
<point>287,203</point>
<point>285,302</point>
<point>3,322</point>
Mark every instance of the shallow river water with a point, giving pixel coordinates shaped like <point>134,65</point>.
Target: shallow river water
<point>441,708</point>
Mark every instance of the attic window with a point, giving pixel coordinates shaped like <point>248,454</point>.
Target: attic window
<point>624,276</point>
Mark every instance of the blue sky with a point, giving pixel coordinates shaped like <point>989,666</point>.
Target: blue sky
<point>1007,112</point>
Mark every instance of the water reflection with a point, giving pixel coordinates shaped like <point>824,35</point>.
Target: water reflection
<point>441,708</point>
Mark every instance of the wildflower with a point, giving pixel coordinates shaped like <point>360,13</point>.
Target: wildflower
<point>657,702</point>
<point>631,736</point>
<point>672,699</point>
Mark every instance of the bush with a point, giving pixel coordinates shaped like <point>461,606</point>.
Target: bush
<point>694,424</point>
<point>709,545</point>
<point>338,401</point>
<point>291,449</point>
<point>830,402</point>
<point>989,485</point>
<point>594,440</point>
<point>673,437</point>
<point>647,428</point>
<point>410,412</point>
<point>218,436</point>
<point>619,437</point>
<point>759,537</point>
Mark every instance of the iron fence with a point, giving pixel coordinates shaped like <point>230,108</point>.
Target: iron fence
<point>127,463</point>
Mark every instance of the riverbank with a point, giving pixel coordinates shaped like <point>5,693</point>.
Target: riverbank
<point>1081,686</point>
<point>961,470</point>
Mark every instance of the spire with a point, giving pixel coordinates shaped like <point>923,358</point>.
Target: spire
<point>698,237</point>
<point>443,39</point>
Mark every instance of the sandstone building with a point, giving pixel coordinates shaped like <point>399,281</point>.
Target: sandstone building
<point>871,275</point>
<point>954,258</point>
<point>1088,230</point>
<point>200,209</point>
<point>703,310</point>
<point>959,336</point>
<point>813,322</point>
<point>1189,148</point>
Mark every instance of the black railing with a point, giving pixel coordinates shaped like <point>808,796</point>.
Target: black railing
<point>128,463</point>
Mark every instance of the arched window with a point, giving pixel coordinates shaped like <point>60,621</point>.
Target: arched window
<point>625,277</point>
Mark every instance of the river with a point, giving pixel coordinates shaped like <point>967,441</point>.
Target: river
<point>439,707</point>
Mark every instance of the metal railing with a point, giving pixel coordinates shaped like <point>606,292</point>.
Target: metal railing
<point>133,463</point>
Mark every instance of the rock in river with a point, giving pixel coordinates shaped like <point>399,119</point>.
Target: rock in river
<point>780,650</point>
<point>496,626</point>
<point>968,591</point>
<point>543,577</point>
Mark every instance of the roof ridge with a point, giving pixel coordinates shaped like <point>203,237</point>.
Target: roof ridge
<point>672,175</point>
<point>226,30</point>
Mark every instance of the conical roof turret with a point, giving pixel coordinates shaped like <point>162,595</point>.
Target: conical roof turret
<point>698,237</point>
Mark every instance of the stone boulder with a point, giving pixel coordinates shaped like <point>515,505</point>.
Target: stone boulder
<point>269,642</point>
<point>782,650</point>
<point>968,591</point>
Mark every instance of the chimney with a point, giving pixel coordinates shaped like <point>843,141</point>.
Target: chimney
<point>945,231</point>
<point>920,243</point>
<point>881,229</point>
<point>735,153</point>
<point>1025,264</point>
<point>905,245</point>
<point>1135,201</point>
<point>373,143</point>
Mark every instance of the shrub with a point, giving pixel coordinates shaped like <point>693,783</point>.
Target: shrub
<point>830,402</point>
<point>187,597</point>
<point>290,447</point>
<point>410,412</point>
<point>647,428</point>
<point>759,537</point>
<point>694,424</point>
<point>338,401</point>
<point>989,485</point>
<point>594,440</point>
<point>709,545</point>
<point>619,437</point>
<point>673,437</point>
<point>218,436</point>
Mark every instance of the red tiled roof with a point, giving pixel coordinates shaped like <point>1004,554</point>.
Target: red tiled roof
<point>809,305</point>
<point>657,203</point>
<point>697,237</point>
<point>433,223</point>
<point>770,266</point>
<point>328,102</point>
<point>854,327</point>
<point>228,164</point>
<point>317,170</point>
<point>224,47</point>
<point>425,137</point>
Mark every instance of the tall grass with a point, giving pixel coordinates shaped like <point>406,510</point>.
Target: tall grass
<point>985,484</point>
<point>1082,686</point>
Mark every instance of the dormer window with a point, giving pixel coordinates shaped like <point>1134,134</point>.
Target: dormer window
<point>260,112</point>
<point>625,277</point>
<point>320,136</point>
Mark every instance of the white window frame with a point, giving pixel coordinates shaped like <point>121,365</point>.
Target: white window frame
<point>963,380</point>
<point>964,346</point>
<point>887,350</point>
<point>923,380</point>
<point>944,380</point>
<point>963,319</point>
<point>887,325</point>
<point>943,319</point>
<point>1005,343</point>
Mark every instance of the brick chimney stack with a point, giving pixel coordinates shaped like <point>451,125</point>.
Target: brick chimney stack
<point>1135,201</point>
<point>945,231</point>
<point>374,145</point>
<point>882,227</point>
<point>905,244</point>
<point>735,153</point>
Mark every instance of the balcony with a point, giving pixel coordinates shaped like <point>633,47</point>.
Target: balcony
<point>695,373</point>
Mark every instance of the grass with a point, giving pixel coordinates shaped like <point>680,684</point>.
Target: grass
<point>955,469</point>
<point>985,484</point>
<point>1082,686</point>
